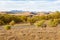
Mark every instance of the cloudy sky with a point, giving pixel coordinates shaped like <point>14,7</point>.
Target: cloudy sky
<point>30,5</point>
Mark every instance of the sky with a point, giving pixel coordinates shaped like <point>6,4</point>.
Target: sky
<point>30,5</point>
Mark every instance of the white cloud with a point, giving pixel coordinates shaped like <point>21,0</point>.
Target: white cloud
<point>30,5</point>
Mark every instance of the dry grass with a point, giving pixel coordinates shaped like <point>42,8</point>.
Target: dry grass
<point>48,33</point>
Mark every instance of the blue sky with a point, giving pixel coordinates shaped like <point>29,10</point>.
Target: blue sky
<point>30,5</point>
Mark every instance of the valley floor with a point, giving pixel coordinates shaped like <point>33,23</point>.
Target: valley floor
<point>24,32</point>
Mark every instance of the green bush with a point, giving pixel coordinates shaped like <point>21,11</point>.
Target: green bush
<point>53,23</point>
<point>1,22</point>
<point>7,27</point>
<point>40,23</point>
<point>7,18</point>
<point>31,20</point>
<point>44,25</point>
<point>12,22</point>
<point>58,20</point>
<point>23,18</point>
<point>42,17</point>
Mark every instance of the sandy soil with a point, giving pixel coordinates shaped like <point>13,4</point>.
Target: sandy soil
<point>30,33</point>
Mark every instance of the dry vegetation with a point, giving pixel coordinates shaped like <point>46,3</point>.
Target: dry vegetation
<point>43,27</point>
<point>47,33</point>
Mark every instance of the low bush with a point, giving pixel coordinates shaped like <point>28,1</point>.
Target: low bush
<point>44,25</point>
<point>59,20</point>
<point>1,22</point>
<point>40,23</point>
<point>31,20</point>
<point>12,22</point>
<point>7,27</point>
<point>53,23</point>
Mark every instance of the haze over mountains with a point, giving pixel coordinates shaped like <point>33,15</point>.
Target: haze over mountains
<point>21,12</point>
<point>15,11</point>
<point>18,11</point>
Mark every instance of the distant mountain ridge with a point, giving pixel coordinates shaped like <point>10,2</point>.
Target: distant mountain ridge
<point>23,12</point>
<point>16,11</point>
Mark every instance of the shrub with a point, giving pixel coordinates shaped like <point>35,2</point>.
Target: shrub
<point>58,21</point>
<point>7,27</point>
<point>6,18</point>
<point>53,23</point>
<point>1,22</point>
<point>40,23</point>
<point>12,22</point>
<point>23,18</point>
<point>31,20</point>
<point>42,17</point>
<point>44,25</point>
<point>17,19</point>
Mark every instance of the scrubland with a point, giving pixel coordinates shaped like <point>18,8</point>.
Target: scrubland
<point>43,27</point>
